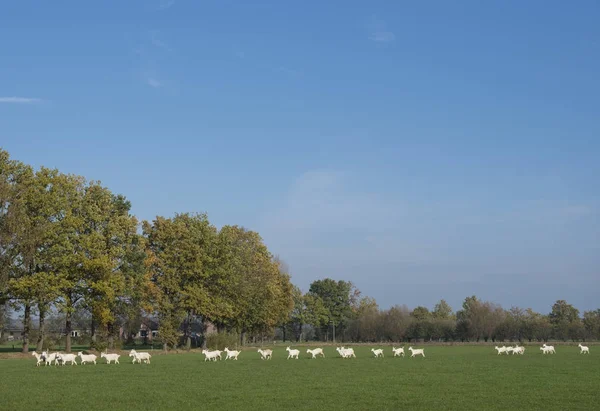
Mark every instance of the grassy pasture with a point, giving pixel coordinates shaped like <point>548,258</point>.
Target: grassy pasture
<point>449,378</point>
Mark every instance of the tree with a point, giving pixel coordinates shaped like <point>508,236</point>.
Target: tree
<point>367,323</point>
<point>35,214</point>
<point>469,319</point>
<point>68,252</point>
<point>180,254</point>
<point>14,177</point>
<point>111,238</point>
<point>396,322</point>
<point>514,324</point>
<point>536,326</point>
<point>316,313</point>
<point>338,298</point>
<point>259,291</point>
<point>565,320</point>
<point>297,317</point>
<point>421,326</point>
<point>442,311</point>
<point>493,316</point>
<point>591,322</point>
<point>444,322</point>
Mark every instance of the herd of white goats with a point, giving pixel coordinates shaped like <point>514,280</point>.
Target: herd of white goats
<point>139,357</point>
<point>546,349</point>
<point>61,358</point>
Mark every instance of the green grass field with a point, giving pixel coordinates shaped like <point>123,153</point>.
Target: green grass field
<point>450,378</point>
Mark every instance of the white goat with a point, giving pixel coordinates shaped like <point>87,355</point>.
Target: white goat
<point>292,353</point>
<point>110,357</point>
<point>231,354</point>
<point>341,351</point>
<point>65,358</point>
<point>377,353</point>
<point>550,348</point>
<point>315,352</point>
<point>38,357</point>
<point>583,349</point>
<point>420,351</point>
<point>211,355</point>
<point>87,357</point>
<point>398,351</point>
<point>139,356</point>
<point>518,350</point>
<point>509,349</point>
<point>265,354</point>
<point>500,349</point>
<point>346,352</point>
<point>49,358</point>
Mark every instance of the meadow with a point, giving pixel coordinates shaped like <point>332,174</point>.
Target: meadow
<point>450,378</point>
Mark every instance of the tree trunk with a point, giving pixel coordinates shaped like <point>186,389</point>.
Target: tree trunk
<point>68,330</point>
<point>284,332</point>
<point>165,347</point>
<point>187,332</point>
<point>40,342</point>
<point>26,327</point>
<point>93,329</point>
<point>242,337</point>
<point>111,337</point>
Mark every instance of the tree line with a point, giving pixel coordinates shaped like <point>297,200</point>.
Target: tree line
<point>69,245</point>
<point>331,305</point>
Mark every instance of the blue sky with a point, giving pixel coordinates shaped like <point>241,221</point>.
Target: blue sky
<point>422,150</point>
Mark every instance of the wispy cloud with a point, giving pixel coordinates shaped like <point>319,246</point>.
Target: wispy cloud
<point>576,210</point>
<point>288,71</point>
<point>166,5</point>
<point>378,31</point>
<point>158,42</point>
<point>153,82</point>
<point>149,53</point>
<point>382,36</point>
<point>20,100</point>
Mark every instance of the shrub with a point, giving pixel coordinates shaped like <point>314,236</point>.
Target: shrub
<point>99,345</point>
<point>218,341</point>
<point>51,343</point>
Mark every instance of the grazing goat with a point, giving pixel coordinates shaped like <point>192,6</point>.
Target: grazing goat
<point>584,349</point>
<point>87,357</point>
<point>420,351</point>
<point>377,353</point>
<point>315,352</point>
<point>38,357</point>
<point>292,353</point>
<point>65,358</point>
<point>110,357</point>
<point>500,349</point>
<point>211,355</point>
<point>398,351</point>
<point>265,354</point>
<point>231,354</point>
<point>139,356</point>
